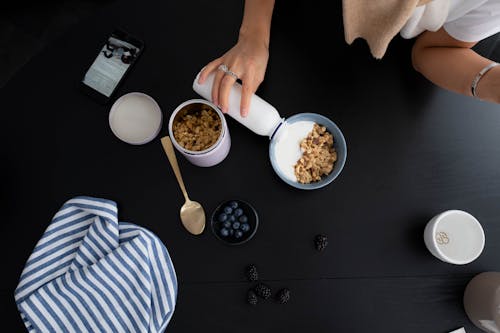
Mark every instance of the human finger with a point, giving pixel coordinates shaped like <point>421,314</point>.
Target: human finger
<point>208,69</point>
<point>225,88</point>
<point>219,75</point>
<point>249,87</point>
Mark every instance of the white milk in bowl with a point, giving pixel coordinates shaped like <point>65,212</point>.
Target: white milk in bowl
<point>287,146</point>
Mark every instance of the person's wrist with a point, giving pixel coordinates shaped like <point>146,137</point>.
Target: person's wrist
<point>257,36</point>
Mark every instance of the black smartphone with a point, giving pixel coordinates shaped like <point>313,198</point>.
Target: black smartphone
<point>114,60</point>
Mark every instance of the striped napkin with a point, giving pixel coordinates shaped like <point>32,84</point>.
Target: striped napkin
<point>91,273</point>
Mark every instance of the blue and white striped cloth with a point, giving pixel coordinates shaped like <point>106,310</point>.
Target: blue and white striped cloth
<point>91,273</point>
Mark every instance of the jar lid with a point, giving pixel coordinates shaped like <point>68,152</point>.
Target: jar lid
<point>135,118</point>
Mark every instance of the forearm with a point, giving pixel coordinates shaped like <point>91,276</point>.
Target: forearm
<point>256,23</point>
<point>454,67</point>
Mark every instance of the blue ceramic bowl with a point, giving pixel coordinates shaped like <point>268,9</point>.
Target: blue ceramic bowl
<point>338,143</point>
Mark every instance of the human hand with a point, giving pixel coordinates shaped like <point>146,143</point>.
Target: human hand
<point>248,60</point>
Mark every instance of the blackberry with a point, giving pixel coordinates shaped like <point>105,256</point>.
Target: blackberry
<point>252,297</point>
<point>251,273</point>
<point>283,296</point>
<point>320,242</point>
<point>262,290</point>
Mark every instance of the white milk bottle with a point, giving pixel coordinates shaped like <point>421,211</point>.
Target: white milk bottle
<point>262,117</point>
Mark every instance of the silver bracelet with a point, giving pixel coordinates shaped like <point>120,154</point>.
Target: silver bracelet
<point>480,75</point>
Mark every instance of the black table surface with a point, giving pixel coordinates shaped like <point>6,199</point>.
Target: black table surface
<point>414,150</point>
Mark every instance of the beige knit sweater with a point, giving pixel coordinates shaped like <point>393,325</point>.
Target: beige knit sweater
<point>376,21</point>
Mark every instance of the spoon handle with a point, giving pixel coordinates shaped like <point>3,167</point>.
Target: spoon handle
<point>169,150</point>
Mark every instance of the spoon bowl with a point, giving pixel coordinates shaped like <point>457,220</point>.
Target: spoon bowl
<point>193,217</point>
<point>192,213</point>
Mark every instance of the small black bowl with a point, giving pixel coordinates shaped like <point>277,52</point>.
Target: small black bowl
<point>218,223</point>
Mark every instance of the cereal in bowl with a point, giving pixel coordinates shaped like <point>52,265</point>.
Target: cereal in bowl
<point>318,156</point>
<point>197,130</point>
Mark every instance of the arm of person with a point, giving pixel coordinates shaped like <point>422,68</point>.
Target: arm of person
<point>247,59</point>
<point>451,64</point>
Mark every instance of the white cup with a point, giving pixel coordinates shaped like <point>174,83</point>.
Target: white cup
<point>455,237</point>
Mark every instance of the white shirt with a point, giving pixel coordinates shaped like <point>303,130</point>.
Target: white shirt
<point>465,20</point>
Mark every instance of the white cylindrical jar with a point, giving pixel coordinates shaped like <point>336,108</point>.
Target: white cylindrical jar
<point>215,153</point>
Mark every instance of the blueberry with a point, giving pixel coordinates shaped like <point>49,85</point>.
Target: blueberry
<point>226,224</point>
<point>233,204</point>
<point>236,225</point>
<point>238,212</point>
<point>245,227</point>
<point>231,231</point>
<point>228,210</point>
<point>222,217</point>
<point>243,219</point>
<point>224,232</point>
<point>238,234</point>
<point>231,218</point>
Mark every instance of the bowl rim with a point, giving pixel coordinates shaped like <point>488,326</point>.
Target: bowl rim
<point>328,179</point>
<point>250,236</point>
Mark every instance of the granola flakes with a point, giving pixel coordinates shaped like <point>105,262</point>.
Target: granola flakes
<point>197,130</point>
<point>318,156</point>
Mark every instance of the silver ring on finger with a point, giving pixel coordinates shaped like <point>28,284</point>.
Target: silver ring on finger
<point>223,67</point>
<point>233,74</point>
